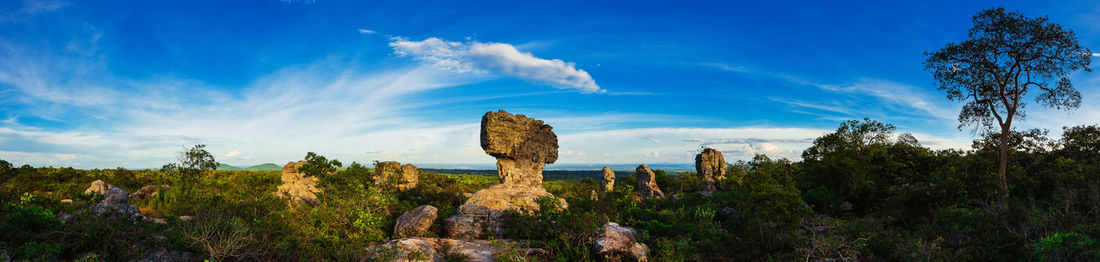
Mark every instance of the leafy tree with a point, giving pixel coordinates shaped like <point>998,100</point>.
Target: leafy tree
<point>1008,55</point>
<point>846,165</point>
<point>193,162</point>
<point>319,166</point>
<point>1081,142</point>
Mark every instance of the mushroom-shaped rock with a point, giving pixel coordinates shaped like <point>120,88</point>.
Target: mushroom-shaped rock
<point>647,182</point>
<point>617,243</point>
<point>98,187</point>
<point>296,186</point>
<point>404,177</point>
<point>415,222</point>
<point>608,181</point>
<point>522,147</point>
<point>711,167</point>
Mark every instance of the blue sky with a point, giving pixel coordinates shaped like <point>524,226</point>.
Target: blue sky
<point>100,84</point>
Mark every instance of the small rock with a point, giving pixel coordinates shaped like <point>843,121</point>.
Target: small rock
<point>415,222</point>
<point>98,186</point>
<point>67,201</point>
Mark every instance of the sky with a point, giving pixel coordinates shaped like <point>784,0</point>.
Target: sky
<point>104,84</point>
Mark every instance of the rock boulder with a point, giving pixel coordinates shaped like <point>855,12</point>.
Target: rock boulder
<point>617,243</point>
<point>711,167</point>
<point>98,187</point>
<point>415,222</point>
<point>297,187</point>
<point>608,181</point>
<point>404,176</point>
<point>647,182</point>
<point>439,249</point>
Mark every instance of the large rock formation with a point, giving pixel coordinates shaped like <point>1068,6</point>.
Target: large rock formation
<point>647,182</point>
<point>415,222</point>
<point>297,187</point>
<point>608,181</point>
<point>440,249</point>
<point>522,147</point>
<point>711,167</point>
<point>403,176</point>
<point>617,243</point>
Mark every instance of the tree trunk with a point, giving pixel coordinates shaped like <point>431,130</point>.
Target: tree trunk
<point>1004,164</point>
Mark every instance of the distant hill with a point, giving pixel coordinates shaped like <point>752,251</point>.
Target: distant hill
<point>265,166</point>
<point>260,167</point>
<point>227,167</point>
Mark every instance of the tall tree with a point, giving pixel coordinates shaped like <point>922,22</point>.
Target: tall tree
<point>1008,55</point>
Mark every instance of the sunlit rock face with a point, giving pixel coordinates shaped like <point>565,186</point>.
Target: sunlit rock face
<point>608,181</point>
<point>522,147</point>
<point>647,182</point>
<point>415,222</point>
<point>300,189</point>
<point>711,167</point>
<point>404,177</point>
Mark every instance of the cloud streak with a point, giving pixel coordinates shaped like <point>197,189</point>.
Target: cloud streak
<point>498,58</point>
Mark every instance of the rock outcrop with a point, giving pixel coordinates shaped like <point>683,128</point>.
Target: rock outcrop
<point>617,243</point>
<point>415,222</point>
<point>608,181</point>
<point>473,222</point>
<point>711,167</point>
<point>300,189</point>
<point>522,147</point>
<point>98,187</point>
<point>116,200</point>
<point>439,249</point>
<point>144,192</point>
<point>647,183</point>
<point>404,176</point>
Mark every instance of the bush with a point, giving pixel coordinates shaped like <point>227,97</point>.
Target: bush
<point>1067,247</point>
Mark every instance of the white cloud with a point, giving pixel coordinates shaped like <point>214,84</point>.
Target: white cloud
<point>366,31</point>
<point>232,154</point>
<point>1095,54</point>
<point>499,58</point>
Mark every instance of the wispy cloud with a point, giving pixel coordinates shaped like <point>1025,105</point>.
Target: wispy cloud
<point>499,58</point>
<point>366,31</point>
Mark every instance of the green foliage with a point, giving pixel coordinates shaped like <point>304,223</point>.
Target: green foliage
<point>1067,247</point>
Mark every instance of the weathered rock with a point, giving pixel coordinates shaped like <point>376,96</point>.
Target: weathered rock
<point>439,249</point>
<point>608,181</point>
<point>145,191</point>
<point>404,177</point>
<point>522,146</point>
<point>415,222</point>
<point>711,167</point>
<point>514,197</point>
<point>504,135</point>
<point>300,189</point>
<point>99,187</point>
<point>617,243</point>
<point>472,221</point>
<point>117,200</point>
<point>647,182</point>
<point>67,201</point>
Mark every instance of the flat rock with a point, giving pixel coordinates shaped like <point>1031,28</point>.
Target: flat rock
<point>618,243</point>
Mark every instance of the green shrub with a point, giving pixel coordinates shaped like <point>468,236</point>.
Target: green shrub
<point>1067,247</point>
